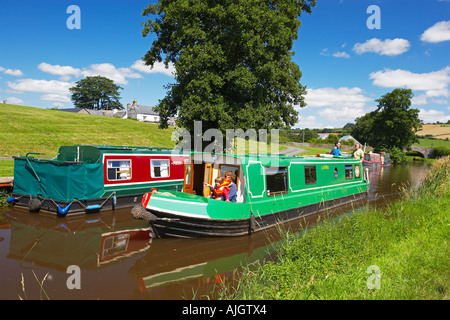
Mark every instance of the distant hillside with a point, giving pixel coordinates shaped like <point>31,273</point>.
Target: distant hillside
<point>27,129</point>
<point>437,131</point>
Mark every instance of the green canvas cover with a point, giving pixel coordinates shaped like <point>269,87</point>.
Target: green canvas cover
<point>57,180</point>
<point>86,154</point>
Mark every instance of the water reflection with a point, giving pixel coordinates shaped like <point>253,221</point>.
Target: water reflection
<point>119,259</point>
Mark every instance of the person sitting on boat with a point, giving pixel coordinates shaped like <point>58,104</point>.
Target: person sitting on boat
<point>230,176</point>
<point>358,154</point>
<point>220,190</point>
<point>336,151</point>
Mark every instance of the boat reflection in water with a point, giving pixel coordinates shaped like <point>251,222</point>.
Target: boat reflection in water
<point>89,242</point>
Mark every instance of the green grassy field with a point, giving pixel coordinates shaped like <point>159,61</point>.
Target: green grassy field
<point>428,143</point>
<point>400,252</point>
<point>6,168</point>
<point>27,129</point>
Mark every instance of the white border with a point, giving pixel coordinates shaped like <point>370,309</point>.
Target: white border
<point>248,179</point>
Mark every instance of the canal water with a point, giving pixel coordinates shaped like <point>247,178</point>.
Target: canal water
<point>111,255</point>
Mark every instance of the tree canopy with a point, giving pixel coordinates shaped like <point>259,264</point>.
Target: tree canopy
<point>232,60</point>
<point>98,93</point>
<point>392,125</point>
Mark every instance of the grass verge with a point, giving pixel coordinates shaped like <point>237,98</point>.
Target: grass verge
<point>398,252</point>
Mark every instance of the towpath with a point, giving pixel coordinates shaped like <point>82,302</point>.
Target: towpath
<point>291,151</point>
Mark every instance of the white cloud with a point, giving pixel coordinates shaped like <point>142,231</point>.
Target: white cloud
<point>118,75</point>
<point>431,115</point>
<point>343,114</point>
<point>11,72</point>
<point>42,86</point>
<point>389,47</point>
<point>309,122</point>
<point>65,72</point>
<point>434,83</point>
<point>341,97</point>
<point>439,101</point>
<point>335,106</point>
<point>439,32</point>
<point>55,97</point>
<point>108,70</point>
<point>14,100</point>
<point>58,105</point>
<point>341,54</point>
<point>158,67</point>
<point>419,100</point>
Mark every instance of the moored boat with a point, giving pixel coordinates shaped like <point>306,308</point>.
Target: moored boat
<point>271,189</point>
<point>372,160</point>
<point>86,178</point>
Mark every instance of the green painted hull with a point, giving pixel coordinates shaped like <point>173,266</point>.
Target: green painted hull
<point>178,214</point>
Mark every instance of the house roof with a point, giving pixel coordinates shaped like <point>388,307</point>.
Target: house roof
<point>350,137</point>
<point>75,110</point>
<point>146,110</point>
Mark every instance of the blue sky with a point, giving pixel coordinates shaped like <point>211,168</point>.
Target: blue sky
<point>346,66</point>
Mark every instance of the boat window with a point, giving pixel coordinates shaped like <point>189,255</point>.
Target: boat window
<point>276,180</point>
<point>336,174</point>
<point>310,175</point>
<point>119,169</point>
<point>159,168</point>
<point>349,172</point>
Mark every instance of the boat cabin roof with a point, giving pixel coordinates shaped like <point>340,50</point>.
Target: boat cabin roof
<point>93,153</point>
<point>264,159</point>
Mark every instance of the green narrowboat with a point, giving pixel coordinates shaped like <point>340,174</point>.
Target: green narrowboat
<point>271,189</point>
<point>87,178</point>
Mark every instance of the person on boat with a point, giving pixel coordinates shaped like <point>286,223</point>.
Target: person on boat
<point>220,189</point>
<point>336,150</point>
<point>358,154</point>
<point>230,176</point>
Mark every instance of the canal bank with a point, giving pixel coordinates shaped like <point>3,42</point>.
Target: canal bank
<point>397,252</point>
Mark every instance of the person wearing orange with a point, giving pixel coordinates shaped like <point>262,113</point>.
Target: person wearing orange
<point>220,190</point>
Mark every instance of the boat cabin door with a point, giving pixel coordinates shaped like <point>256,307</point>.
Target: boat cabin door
<point>207,178</point>
<point>188,186</point>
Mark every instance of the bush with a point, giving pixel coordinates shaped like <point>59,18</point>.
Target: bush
<point>395,153</point>
<point>441,152</point>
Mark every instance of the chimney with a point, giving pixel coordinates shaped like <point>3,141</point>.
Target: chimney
<point>128,106</point>
<point>134,103</point>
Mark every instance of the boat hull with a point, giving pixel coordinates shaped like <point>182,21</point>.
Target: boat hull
<point>170,225</point>
<point>50,206</point>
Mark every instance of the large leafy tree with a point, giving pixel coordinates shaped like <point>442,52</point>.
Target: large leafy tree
<point>232,60</point>
<point>392,125</point>
<point>98,93</point>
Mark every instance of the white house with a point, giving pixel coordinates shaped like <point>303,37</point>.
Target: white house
<point>142,113</point>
